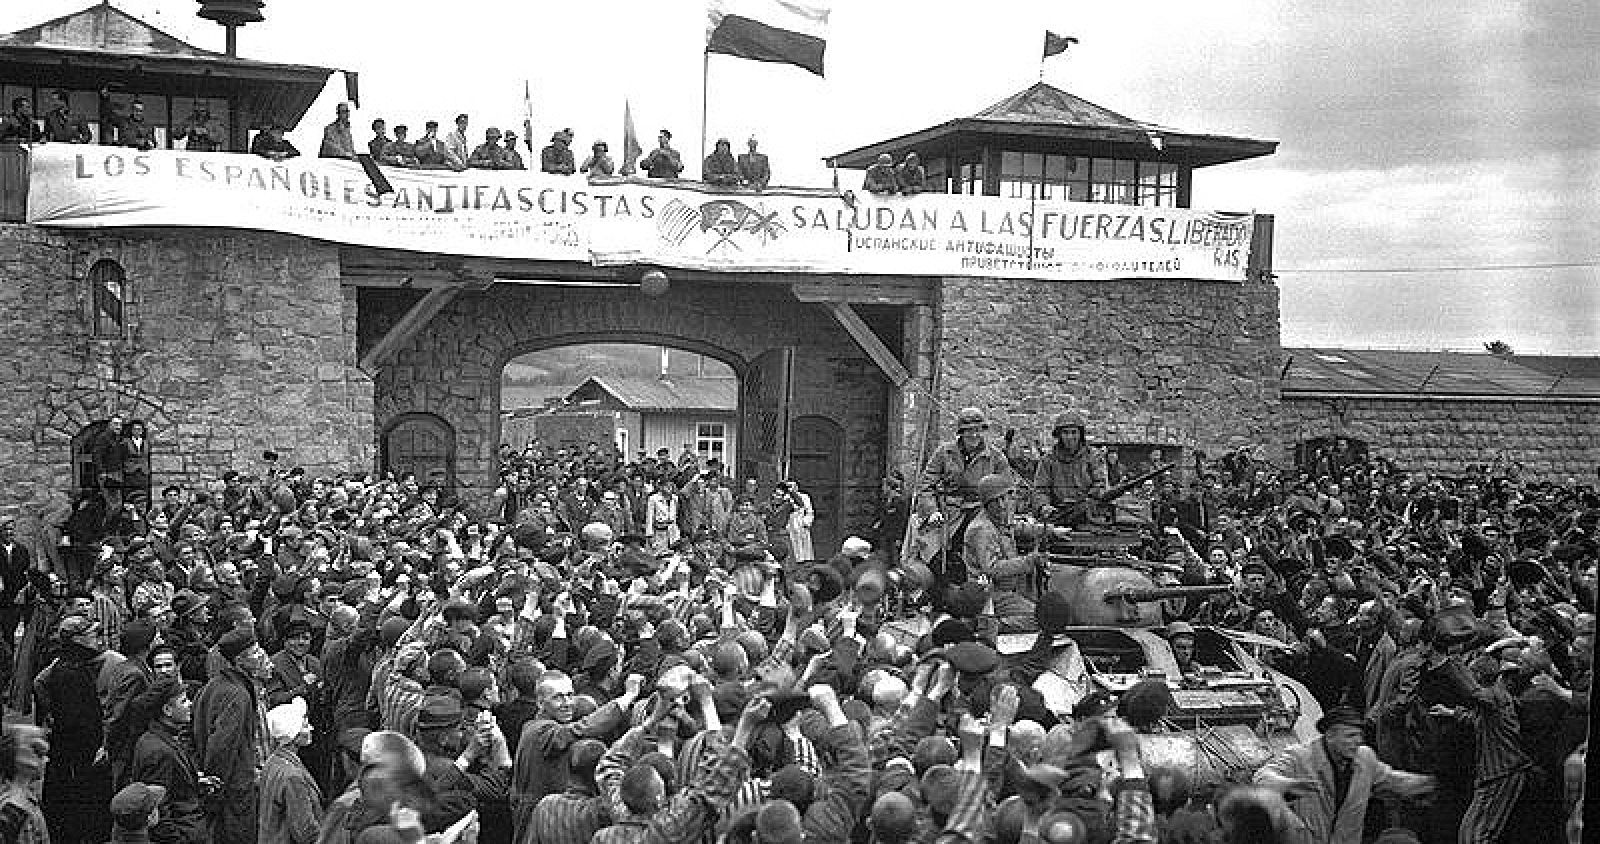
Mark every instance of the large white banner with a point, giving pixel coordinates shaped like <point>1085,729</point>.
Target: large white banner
<point>518,214</point>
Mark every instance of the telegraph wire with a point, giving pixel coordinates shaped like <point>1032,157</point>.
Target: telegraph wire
<point>1554,265</point>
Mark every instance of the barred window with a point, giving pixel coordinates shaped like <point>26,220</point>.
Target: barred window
<point>107,289</point>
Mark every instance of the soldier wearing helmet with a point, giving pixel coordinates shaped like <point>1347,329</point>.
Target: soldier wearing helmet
<point>1069,475</point>
<point>947,499</point>
<point>952,476</point>
<point>990,553</point>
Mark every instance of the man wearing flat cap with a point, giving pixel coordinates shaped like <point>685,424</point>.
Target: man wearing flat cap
<point>1329,780</point>
<point>134,810</point>
<point>67,702</point>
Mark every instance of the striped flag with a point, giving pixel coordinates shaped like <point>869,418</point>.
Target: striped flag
<point>784,31</point>
<point>630,142</point>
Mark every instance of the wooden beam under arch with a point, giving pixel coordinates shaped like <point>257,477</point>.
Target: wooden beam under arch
<point>406,330</point>
<point>859,331</point>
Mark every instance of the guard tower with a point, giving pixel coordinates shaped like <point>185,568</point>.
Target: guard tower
<point>1044,143</point>
<point>103,48</point>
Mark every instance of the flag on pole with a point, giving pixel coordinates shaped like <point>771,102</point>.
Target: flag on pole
<point>784,31</point>
<point>630,142</point>
<point>527,115</point>
<point>1055,45</point>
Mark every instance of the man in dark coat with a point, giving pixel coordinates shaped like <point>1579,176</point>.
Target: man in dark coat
<point>754,169</point>
<point>123,683</point>
<point>76,787</point>
<point>227,726</point>
<point>557,156</point>
<point>162,756</point>
<point>543,748</point>
<point>663,162</point>
<point>15,562</point>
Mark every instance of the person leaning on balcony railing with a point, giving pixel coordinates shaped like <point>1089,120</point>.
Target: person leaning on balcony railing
<point>910,175</point>
<point>271,143</point>
<point>489,155</point>
<point>513,159</point>
<point>199,133</point>
<point>880,178</point>
<point>336,139</point>
<point>133,131</point>
<point>62,126</point>
<point>20,126</point>
<point>399,152</point>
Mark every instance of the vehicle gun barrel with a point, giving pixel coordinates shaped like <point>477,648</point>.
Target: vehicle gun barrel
<point>1119,490</point>
<point>1162,593</point>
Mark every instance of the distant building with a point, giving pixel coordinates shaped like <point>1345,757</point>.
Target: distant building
<point>656,413</point>
<point>1446,411</point>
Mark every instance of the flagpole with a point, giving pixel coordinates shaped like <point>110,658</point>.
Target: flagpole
<point>705,86</point>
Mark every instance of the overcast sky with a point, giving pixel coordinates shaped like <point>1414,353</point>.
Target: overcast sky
<point>1412,136</point>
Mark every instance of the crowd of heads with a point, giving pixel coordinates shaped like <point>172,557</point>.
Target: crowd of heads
<point>662,609</point>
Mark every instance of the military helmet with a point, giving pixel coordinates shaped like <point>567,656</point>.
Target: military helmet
<point>991,487</point>
<point>971,417</point>
<point>1068,420</point>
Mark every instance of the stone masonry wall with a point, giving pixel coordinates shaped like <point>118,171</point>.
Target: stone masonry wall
<point>1553,440</point>
<point>453,367</point>
<point>234,343</point>
<point>1176,363</point>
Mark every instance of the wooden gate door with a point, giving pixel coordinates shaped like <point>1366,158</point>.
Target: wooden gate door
<point>425,444</point>
<point>816,463</point>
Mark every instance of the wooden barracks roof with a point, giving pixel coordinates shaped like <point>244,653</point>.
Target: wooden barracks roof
<point>103,45</point>
<point>1045,111</point>
<point>1355,373</point>
<point>656,395</point>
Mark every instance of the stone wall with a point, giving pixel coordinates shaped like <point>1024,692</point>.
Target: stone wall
<point>1177,363</point>
<point>233,343</point>
<point>1552,439</point>
<point>453,367</point>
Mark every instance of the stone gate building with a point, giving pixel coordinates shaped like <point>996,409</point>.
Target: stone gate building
<point>342,351</point>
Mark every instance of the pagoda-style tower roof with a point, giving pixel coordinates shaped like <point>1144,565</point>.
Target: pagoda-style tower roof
<point>1043,114</point>
<point>105,47</point>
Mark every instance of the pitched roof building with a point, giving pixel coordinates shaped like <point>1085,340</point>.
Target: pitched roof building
<point>1045,143</point>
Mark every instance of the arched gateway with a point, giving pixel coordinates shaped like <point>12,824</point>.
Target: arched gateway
<point>442,350</point>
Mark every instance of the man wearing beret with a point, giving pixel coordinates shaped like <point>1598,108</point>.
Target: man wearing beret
<point>229,739</point>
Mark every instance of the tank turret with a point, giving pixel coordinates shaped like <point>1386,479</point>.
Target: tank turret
<point>1110,595</point>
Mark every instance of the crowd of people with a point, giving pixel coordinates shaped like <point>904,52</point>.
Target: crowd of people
<point>454,150</point>
<point>649,650</point>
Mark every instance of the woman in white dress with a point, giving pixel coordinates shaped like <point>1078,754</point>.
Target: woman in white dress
<point>661,517</point>
<point>800,520</point>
